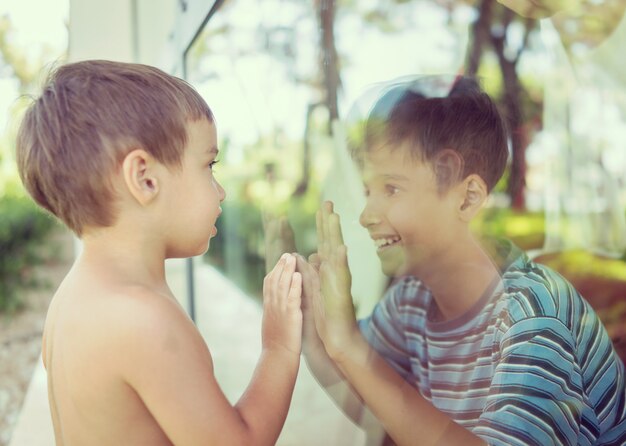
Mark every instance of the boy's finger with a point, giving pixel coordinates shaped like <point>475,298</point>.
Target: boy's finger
<point>295,290</point>
<point>315,282</point>
<point>286,276</point>
<point>275,276</point>
<point>342,255</point>
<point>343,270</point>
<point>268,285</point>
<point>334,230</point>
<point>307,272</point>
<point>323,246</point>
<point>314,261</point>
<point>303,267</point>
<point>327,211</point>
<point>318,311</point>
<point>319,226</point>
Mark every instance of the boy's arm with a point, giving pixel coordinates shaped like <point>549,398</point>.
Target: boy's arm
<point>321,366</point>
<point>166,362</point>
<point>279,239</point>
<point>404,413</point>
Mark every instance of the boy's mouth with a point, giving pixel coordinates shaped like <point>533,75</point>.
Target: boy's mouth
<point>386,242</point>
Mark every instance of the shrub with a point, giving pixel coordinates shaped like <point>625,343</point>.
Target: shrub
<point>525,229</point>
<point>23,230</point>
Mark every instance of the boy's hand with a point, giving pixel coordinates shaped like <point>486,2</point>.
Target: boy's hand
<point>282,316</point>
<point>310,288</point>
<point>279,239</point>
<point>333,308</point>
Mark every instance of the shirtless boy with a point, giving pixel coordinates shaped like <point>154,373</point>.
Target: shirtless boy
<point>123,154</point>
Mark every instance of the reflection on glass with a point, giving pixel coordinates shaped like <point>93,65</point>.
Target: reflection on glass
<point>263,68</point>
<point>255,63</point>
<point>259,66</point>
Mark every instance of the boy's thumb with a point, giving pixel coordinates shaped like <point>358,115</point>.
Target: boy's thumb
<point>314,260</point>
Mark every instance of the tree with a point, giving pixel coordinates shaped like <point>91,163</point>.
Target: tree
<point>329,58</point>
<point>491,29</point>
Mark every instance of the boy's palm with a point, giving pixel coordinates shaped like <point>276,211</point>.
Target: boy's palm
<point>282,316</point>
<point>310,289</point>
<point>333,308</point>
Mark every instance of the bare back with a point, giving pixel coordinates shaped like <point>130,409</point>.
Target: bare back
<point>90,402</point>
<point>126,365</point>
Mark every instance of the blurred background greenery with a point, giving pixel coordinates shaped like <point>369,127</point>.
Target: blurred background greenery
<point>280,75</point>
<point>25,230</point>
<point>275,106</point>
<point>280,83</point>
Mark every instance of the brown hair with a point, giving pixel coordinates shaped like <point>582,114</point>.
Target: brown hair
<point>89,116</point>
<point>465,120</point>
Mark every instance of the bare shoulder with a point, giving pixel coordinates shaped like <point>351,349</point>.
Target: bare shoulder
<point>153,329</point>
<point>121,330</point>
<point>139,309</point>
<point>144,320</point>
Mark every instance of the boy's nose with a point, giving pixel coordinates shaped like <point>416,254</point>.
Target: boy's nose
<point>220,191</point>
<point>368,217</point>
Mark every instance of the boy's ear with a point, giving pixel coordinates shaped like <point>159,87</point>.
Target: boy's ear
<point>139,171</point>
<point>474,193</point>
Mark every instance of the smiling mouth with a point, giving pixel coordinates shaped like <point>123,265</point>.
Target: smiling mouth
<point>386,242</point>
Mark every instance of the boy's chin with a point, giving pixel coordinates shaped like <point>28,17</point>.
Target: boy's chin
<point>202,249</point>
<point>199,250</point>
<point>392,262</point>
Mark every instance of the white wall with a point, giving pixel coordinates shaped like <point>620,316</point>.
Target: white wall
<point>100,30</point>
<point>124,30</point>
<point>128,31</point>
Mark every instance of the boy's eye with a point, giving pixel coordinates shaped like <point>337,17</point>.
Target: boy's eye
<point>391,190</point>
<point>366,191</point>
<point>212,164</point>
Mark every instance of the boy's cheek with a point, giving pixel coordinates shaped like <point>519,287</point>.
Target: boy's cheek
<point>393,262</point>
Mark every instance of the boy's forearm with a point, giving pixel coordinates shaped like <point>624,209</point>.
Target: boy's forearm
<point>264,405</point>
<point>321,366</point>
<point>403,412</point>
<point>333,382</point>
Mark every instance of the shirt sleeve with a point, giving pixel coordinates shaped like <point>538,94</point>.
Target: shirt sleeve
<point>384,330</point>
<point>536,396</point>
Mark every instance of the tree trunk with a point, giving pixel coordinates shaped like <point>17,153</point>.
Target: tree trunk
<point>480,33</point>
<point>329,58</point>
<point>511,100</point>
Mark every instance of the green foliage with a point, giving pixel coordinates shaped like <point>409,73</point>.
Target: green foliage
<point>267,182</point>
<point>525,229</point>
<point>23,230</point>
<point>583,263</point>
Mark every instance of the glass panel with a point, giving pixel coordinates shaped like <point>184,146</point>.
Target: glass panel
<point>282,77</point>
<point>253,63</point>
<point>259,66</point>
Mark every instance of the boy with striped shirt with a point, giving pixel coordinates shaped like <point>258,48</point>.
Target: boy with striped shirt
<point>472,345</point>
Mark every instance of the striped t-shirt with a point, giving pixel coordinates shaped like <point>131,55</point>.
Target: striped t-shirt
<point>529,364</point>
